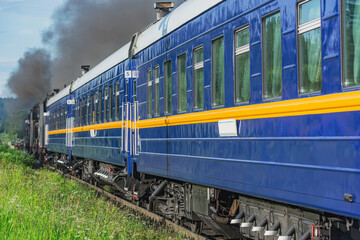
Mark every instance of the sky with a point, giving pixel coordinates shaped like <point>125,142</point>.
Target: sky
<point>21,25</point>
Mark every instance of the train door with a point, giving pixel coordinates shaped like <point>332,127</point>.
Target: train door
<point>130,133</point>
<point>69,139</point>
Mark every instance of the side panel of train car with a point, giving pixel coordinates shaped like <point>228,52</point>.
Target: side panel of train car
<point>95,127</point>
<point>56,121</point>
<point>277,68</point>
<point>98,129</point>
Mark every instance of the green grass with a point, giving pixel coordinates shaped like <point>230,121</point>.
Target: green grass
<point>39,204</point>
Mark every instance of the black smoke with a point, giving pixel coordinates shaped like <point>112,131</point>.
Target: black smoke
<point>84,32</point>
<point>87,31</point>
<point>31,81</point>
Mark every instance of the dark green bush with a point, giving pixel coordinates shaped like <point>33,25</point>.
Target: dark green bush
<point>15,156</point>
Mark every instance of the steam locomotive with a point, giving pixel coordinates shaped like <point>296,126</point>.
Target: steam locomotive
<point>238,115</point>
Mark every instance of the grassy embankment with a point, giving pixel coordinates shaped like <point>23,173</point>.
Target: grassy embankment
<point>38,204</point>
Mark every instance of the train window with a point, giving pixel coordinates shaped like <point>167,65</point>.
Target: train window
<point>65,116</point>
<point>351,39</point>
<point>218,72</point>
<point>309,38</point>
<point>272,63</point>
<point>80,112</point>
<point>91,115</point>
<point>199,78</point>
<point>134,89</point>
<point>100,106</point>
<point>96,107</point>
<point>105,104</point>
<point>111,99</point>
<point>156,91</point>
<point>88,110</point>
<point>242,65</point>
<point>168,89</point>
<point>181,77</point>
<point>117,101</point>
<point>61,118</point>
<point>84,112</point>
<point>75,119</point>
<point>149,93</point>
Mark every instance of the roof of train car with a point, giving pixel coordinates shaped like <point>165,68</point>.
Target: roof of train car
<point>115,58</point>
<point>175,19</point>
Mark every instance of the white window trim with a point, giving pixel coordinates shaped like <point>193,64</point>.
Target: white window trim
<point>242,49</point>
<point>199,65</point>
<point>309,26</point>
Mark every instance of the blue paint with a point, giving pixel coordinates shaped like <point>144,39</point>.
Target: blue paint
<point>309,161</point>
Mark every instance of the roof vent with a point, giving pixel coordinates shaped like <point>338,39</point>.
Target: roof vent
<point>84,69</point>
<point>164,9</point>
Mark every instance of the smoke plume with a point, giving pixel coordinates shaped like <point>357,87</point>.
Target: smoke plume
<point>87,31</point>
<point>31,81</point>
<point>84,32</point>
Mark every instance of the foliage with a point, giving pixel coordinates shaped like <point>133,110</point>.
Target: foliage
<point>39,204</point>
<point>14,123</point>
<point>6,137</point>
<point>6,105</point>
<point>12,156</point>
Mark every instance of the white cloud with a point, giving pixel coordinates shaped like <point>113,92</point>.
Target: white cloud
<point>27,32</point>
<point>13,1</point>
<point>10,60</point>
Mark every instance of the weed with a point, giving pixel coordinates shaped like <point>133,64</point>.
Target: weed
<point>38,204</point>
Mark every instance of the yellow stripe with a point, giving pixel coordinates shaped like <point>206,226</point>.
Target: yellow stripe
<point>340,102</point>
<point>100,126</point>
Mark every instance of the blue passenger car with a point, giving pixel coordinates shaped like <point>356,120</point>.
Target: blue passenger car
<point>236,114</point>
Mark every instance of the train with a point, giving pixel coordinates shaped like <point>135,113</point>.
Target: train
<point>238,116</point>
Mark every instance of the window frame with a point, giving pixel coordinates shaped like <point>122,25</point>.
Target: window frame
<point>100,106</point>
<point>111,105</point>
<point>342,48</point>
<point>149,88</point>
<point>263,58</point>
<point>84,111</point>
<point>169,61</point>
<point>201,66</point>
<point>117,100</point>
<point>96,101</point>
<point>91,109</point>
<point>212,72</point>
<point>156,109</point>
<point>134,89</point>
<point>300,31</point>
<point>178,83</point>
<point>80,112</point>
<point>242,51</point>
<point>106,97</point>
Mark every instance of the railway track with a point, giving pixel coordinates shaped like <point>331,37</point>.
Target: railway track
<point>150,215</point>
